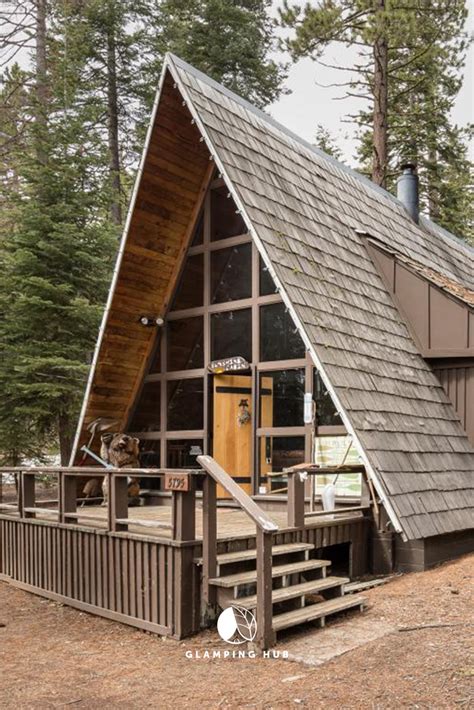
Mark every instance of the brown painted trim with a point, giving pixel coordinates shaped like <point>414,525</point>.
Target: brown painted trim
<point>281,431</point>
<point>331,431</point>
<point>220,244</point>
<point>464,352</point>
<point>185,434</point>
<point>176,375</point>
<point>223,307</point>
<point>270,365</point>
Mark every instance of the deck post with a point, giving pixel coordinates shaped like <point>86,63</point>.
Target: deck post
<point>265,633</point>
<point>209,539</point>
<point>118,502</point>
<point>67,496</point>
<point>184,513</point>
<point>295,500</point>
<point>27,496</point>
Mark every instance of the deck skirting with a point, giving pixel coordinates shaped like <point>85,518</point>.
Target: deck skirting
<point>151,584</point>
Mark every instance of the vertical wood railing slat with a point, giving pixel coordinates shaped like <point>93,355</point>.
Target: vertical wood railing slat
<point>265,633</point>
<point>184,514</point>
<point>209,539</point>
<point>67,498</point>
<point>295,501</point>
<point>27,498</point>
<point>118,502</point>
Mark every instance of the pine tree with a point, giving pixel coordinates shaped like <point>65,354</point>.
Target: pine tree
<point>422,89</point>
<point>399,45</point>
<point>230,40</point>
<point>326,142</point>
<point>108,37</point>
<point>56,255</point>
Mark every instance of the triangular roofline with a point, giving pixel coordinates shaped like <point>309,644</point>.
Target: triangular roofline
<point>169,65</point>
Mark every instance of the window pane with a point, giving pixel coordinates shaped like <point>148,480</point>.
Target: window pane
<point>231,334</point>
<point>183,452</point>
<point>326,413</point>
<point>185,404</point>
<point>225,222</point>
<point>190,291</point>
<point>267,284</point>
<point>185,344</point>
<point>231,273</point>
<point>147,412</point>
<point>150,457</point>
<point>282,398</point>
<point>277,453</point>
<point>279,337</point>
<point>198,232</point>
<point>155,365</point>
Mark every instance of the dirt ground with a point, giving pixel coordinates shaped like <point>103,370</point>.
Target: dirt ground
<point>52,656</point>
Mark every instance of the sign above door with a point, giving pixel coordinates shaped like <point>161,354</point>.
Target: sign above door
<point>228,364</point>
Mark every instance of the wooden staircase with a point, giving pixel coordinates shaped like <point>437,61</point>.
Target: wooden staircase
<point>283,583</point>
<point>302,589</point>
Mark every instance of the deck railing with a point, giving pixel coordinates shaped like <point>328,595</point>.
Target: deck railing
<point>183,519</point>
<point>297,515</point>
<point>265,528</point>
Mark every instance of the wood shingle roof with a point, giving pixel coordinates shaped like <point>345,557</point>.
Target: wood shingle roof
<point>308,214</point>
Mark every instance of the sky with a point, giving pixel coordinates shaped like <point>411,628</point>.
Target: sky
<point>311,103</point>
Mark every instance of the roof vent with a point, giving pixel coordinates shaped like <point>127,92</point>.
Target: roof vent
<point>407,190</point>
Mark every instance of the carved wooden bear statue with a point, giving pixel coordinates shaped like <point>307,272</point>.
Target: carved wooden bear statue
<point>121,451</point>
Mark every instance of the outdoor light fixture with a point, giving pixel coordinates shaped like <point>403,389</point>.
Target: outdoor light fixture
<point>150,321</point>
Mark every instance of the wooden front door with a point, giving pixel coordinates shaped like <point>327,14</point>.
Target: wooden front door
<point>232,431</point>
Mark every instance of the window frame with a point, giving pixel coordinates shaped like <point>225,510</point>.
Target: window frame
<point>256,365</point>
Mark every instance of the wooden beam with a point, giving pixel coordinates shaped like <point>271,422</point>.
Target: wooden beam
<point>265,633</point>
<point>209,540</point>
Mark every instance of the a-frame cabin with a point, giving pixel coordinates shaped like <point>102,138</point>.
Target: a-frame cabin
<point>275,316</point>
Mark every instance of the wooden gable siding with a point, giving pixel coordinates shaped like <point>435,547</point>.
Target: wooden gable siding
<point>457,378</point>
<point>442,325</point>
<point>174,178</point>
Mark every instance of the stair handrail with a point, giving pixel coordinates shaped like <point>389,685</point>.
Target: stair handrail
<point>265,527</point>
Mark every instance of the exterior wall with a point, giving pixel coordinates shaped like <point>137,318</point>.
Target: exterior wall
<point>442,325</point>
<point>457,378</point>
<point>419,555</point>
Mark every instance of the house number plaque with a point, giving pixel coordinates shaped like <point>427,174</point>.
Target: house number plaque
<point>176,482</point>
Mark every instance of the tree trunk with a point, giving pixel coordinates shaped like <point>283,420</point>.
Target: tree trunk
<point>41,89</point>
<point>433,185</point>
<point>113,136</point>
<point>65,433</point>
<point>380,132</point>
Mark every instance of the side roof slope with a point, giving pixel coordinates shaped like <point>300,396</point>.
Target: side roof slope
<point>306,213</point>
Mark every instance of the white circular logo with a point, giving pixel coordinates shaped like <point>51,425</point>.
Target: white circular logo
<point>236,625</point>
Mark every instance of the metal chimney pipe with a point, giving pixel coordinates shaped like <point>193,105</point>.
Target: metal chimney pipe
<point>407,190</point>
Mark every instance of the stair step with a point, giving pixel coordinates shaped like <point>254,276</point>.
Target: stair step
<point>243,555</point>
<point>316,611</point>
<point>296,590</point>
<point>235,580</point>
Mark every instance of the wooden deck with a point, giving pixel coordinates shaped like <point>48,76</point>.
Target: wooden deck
<point>232,523</point>
<point>138,565</point>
